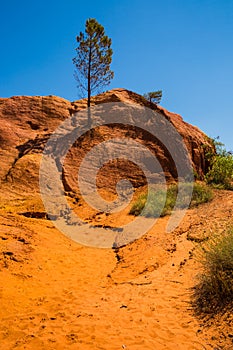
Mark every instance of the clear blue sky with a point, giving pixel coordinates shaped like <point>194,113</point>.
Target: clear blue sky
<point>184,47</point>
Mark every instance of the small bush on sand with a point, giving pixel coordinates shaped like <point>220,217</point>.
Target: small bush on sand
<point>161,202</point>
<point>214,289</point>
<point>201,194</point>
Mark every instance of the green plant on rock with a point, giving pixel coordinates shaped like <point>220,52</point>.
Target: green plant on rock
<point>93,59</point>
<point>154,96</point>
<point>220,172</point>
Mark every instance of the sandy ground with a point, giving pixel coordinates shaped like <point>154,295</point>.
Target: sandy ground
<point>57,294</point>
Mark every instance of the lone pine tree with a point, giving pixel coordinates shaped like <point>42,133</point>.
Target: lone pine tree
<point>154,96</point>
<point>93,59</point>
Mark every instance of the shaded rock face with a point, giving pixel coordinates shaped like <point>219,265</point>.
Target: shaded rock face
<point>26,124</point>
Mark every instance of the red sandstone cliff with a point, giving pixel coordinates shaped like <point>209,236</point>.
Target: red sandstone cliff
<point>27,122</point>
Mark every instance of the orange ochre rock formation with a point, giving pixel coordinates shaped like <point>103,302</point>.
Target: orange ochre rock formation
<point>26,124</point>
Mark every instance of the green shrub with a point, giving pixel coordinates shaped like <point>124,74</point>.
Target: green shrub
<point>161,202</point>
<point>155,199</point>
<point>214,290</point>
<point>220,172</point>
<point>201,194</point>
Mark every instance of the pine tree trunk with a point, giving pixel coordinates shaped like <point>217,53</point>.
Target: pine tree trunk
<point>89,89</point>
<point>89,80</point>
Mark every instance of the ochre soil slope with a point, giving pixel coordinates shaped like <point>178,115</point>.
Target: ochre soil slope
<point>57,294</point>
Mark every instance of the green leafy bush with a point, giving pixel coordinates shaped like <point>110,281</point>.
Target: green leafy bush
<point>160,202</point>
<point>220,172</point>
<point>214,290</point>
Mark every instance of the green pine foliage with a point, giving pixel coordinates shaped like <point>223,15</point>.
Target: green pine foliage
<point>154,96</point>
<point>93,59</point>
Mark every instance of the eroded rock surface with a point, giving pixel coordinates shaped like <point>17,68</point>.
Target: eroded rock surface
<point>26,123</point>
